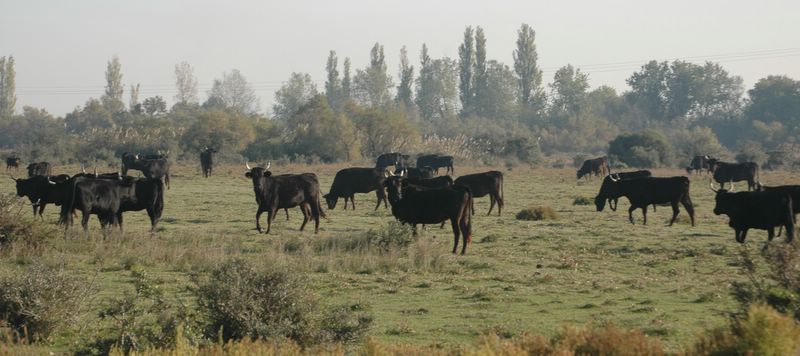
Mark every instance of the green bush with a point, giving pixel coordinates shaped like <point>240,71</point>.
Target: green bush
<point>537,213</point>
<point>763,331</point>
<point>242,301</point>
<point>646,149</point>
<point>346,323</point>
<point>392,236</point>
<point>43,300</point>
<point>582,201</point>
<point>751,151</point>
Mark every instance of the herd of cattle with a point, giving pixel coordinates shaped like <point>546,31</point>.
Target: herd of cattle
<point>416,194</point>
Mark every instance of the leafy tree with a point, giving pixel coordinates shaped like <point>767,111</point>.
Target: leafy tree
<point>333,86</point>
<point>775,98</point>
<point>466,62</point>
<point>225,130</point>
<point>718,93</point>
<point>498,99</point>
<point>481,78</point>
<point>682,81</point>
<point>383,131</point>
<point>234,93</point>
<point>293,94</point>
<point>531,94</point>
<point>648,89</point>
<point>437,92</point>
<point>185,83</point>
<point>315,129</point>
<point>112,99</point>
<point>404,90</point>
<point>93,115</point>
<point>371,86</point>
<point>155,106</point>
<point>8,98</point>
<point>568,90</point>
<point>697,141</point>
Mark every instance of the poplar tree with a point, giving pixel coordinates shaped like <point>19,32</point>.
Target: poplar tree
<point>466,56</point>
<point>112,99</point>
<point>186,84</point>
<point>346,80</point>
<point>404,93</point>
<point>480,85</point>
<point>8,99</point>
<point>531,95</point>
<point>333,86</point>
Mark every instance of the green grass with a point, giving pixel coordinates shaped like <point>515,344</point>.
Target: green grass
<point>671,282</point>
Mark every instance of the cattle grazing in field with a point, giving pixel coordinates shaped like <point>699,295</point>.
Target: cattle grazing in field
<point>612,203</point>
<point>349,181</point>
<point>482,184</point>
<point>39,169</point>
<point>42,190</point>
<point>734,172</point>
<point>150,167</point>
<point>436,161</point>
<point>286,191</point>
<point>418,173</point>
<point>207,160</point>
<point>100,197</point>
<point>13,162</point>
<point>141,194</point>
<point>415,205</point>
<point>756,210</point>
<point>597,166</point>
<point>390,159</point>
<point>643,192</point>
<point>698,164</point>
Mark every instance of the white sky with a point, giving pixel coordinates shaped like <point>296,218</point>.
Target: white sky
<point>61,47</point>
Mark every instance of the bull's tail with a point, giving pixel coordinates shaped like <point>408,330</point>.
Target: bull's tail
<point>65,217</point>
<point>166,179</point>
<point>159,203</point>
<point>465,222</point>
<point>500,201</point>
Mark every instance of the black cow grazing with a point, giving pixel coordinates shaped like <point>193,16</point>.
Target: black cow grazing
<point>646,191</point>
<point>349,181</point>
<point>39,169</point>
<point>13,162</point>
<point>389,159</point>
<point>756,210</point>
<point>92,196</point>
<point>612,203</point>
<point>42,190</point>
<point>698,164</point>
<point>150,168</point>
<point>418,173</point>
<point>597,166</point>
<point>288,191</point>
<point>413,205</point>
<point>734,172</point>
<point>426,160</point>
<point>436,161</point>
<point>138,194</point>
<point>482,184</point>
<point>207,160</point>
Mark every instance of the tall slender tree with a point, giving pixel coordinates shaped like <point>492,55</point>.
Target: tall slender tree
<point>480,84</point>
<point>333,86</point>
<point>186,84</point>
<point>346,80</point>
<point>133,103</point>
<point>466,60</point>
<point>8,98</point>
<point>112,99</point>
<point>568,90</point>
<point>372,85</point>
<point>527,68</point>
<point>404,90</point>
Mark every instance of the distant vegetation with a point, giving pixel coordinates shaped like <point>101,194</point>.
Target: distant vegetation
<point>472,107</point>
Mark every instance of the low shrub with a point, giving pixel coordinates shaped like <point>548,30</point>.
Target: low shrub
<point>535,213</point>
<point>582,201</point>
<point>43,300</point>
<point>763,331</point>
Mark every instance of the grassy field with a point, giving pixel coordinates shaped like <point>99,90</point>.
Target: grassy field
<point>671,282</point>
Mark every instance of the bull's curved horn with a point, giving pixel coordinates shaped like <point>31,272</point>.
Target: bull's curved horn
<point>404,172</point>
<point>711,185</point>
<point>733,189</point>
<point>247,165</point>
<point>83,168</point>
<point>95,171</point>
<point>611,176</point>
<point>50,181</point>
<point>387,174</point>
<point>268,164</point>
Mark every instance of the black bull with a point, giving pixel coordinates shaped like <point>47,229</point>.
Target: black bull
<point>482,184</point>
<point>414,205</point>
<point>286,191</point>
<point>109,197</point>
<point>597,166</point>
<point>349,181</point>
<point>757,210</point>
<point>735,172</point>
<point>150,168</point>
<point>207,161</point>
<point>646,191</point>
<point>612,203</point>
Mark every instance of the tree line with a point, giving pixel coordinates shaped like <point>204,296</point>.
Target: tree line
<point>472,106</point>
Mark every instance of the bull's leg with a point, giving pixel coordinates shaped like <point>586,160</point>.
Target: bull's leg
<point>675,212</point>
<point>770,233</point>
<point>789,232</point>
<point>612,203</point>
<point>491,204</point>
<point>119,220</point>
<point>454,224</point>
<point>151,213</point>
<point>687,204</point>
<point>41,210</point>
<point>630,213</point>
<point>741,235</point>
<point>644,215</point>
<point>378,195</point>
<point>442,225</point>
<point>287,213</point>
<point>304,209</point>
<point>85,222</point>
<point>271,212</point>
<point>315,212</point>
<point>472,206</point>
<point>499,204</point>
<point>258,217</point>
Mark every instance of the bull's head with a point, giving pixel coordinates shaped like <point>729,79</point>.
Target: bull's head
<point>331,200</point>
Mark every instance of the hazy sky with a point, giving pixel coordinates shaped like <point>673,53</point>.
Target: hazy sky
<point>61,47</point>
